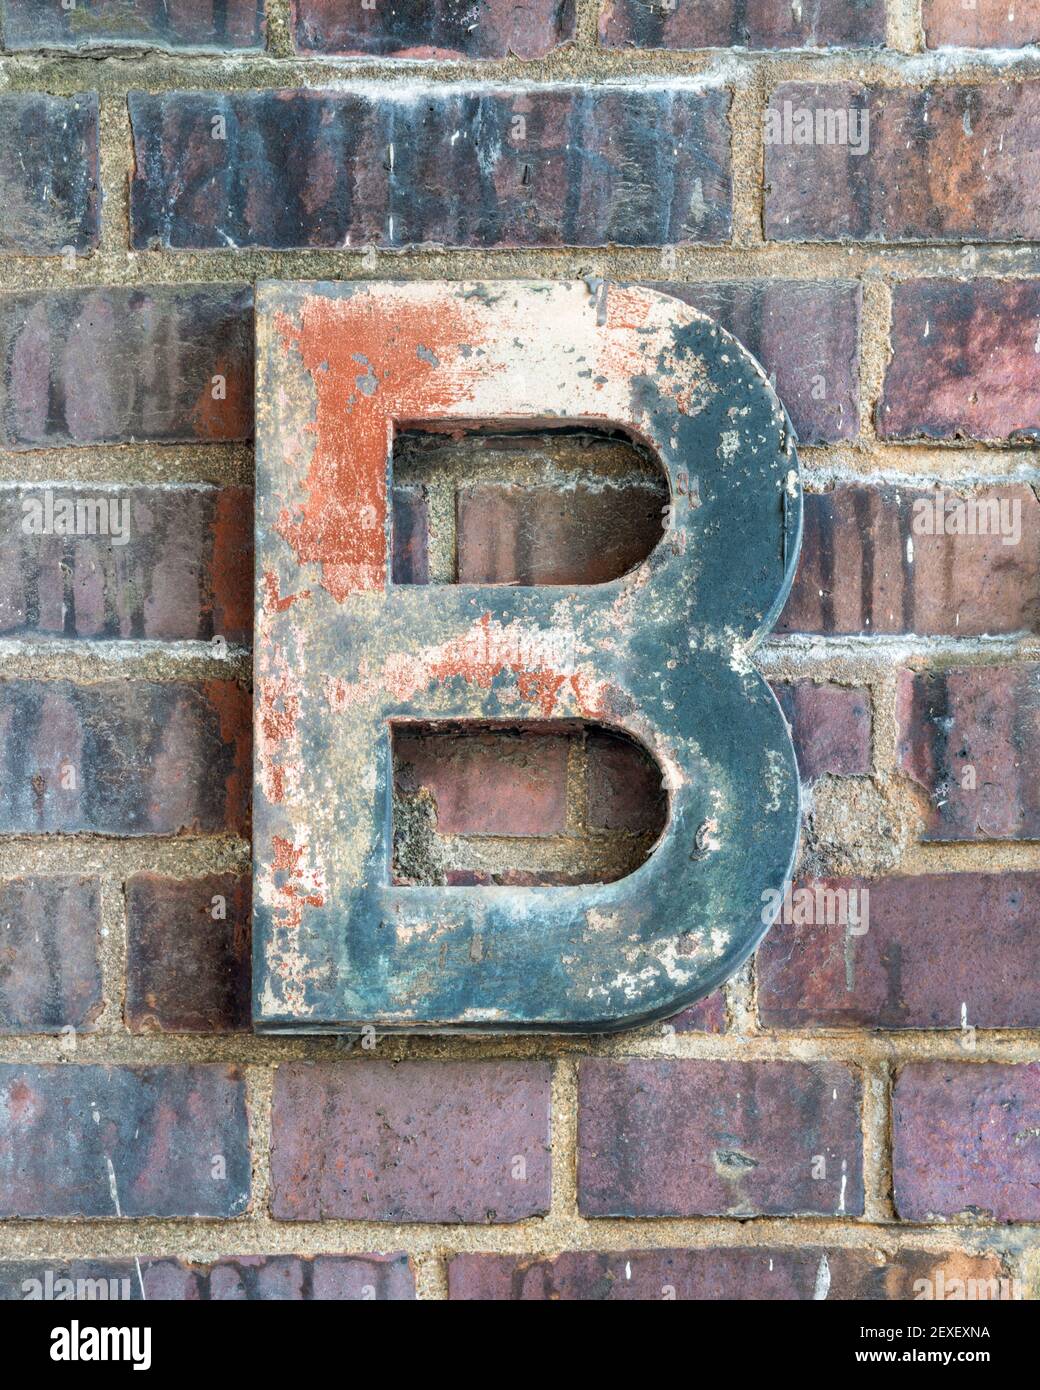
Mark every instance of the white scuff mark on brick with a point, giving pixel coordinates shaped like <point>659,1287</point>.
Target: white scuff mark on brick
<point>113,1187</point>
<point>823,1280</point>
<point>698,204</point>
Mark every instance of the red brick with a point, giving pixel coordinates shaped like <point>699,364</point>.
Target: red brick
<point>498,783</point>
<point>868,566</point>
<point>588,167</point>
<point>218,25</point>
<point>156,562</point>
<point>698,1138</point>
<point>982,24</point>
<point>49,193</point>
<point>816,374</point>
<point>742,1272</point>
<point>124,757</point>
<point>951,162</point>
<point>979,724</point>
<point>50,974</point>
<point>742,24</point>
<point>966,1141</point>
<point>187,954</point>
<point>625,785</point>
<point>434,28</point>
<point>509,534</point>
<point>939,950</point>
<point>96,1141</point>
<point>963,362</point>
<point>420,1141</point>
<point>830,725</point>
<point>113,365</point>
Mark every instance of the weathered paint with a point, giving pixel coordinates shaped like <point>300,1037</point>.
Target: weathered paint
<point>662,653</point>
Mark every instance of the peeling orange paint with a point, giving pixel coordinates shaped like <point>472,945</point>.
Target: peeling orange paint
<point>288,885</point>
<point>277,711</point>
<point>543,662</point>
<point>303,887</point>
<point>368,371</point>
<point>273,600</point>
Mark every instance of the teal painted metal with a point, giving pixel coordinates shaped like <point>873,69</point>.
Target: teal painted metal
<point>663,653</point>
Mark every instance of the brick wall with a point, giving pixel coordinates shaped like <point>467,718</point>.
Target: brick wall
<point>860,1110</point>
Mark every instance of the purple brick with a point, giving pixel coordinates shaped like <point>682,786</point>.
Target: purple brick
<point>124,757</point>
<point>423,1141</point>
<point>699,1138</point>
<point>487,783</point>
<point>963,363</point>
<point>926,951</point>
<point>50,974</point>
<point>947,561</point>
<point>980,23</point>
<point>816,372</point>
<point>949,162</point>
<point>830,725</point>
<point>188,954</point>
<point>114,366</point>
<point>742,24</point>
<point>535,166</point>
<point>970,739</point>
<point>50,197</point>
<point>98,1141</point>
<point>707,1016</point>
<point>385,1278</point>
<point>966,1141</point>
<point>624,785</point>
<point>510,534</point>
<point>715,1273</point>
<point>216,25</point>
<point>411,530</point>
<point>242,1278</point>
<point>434,28</point>
<point>126,562</point>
